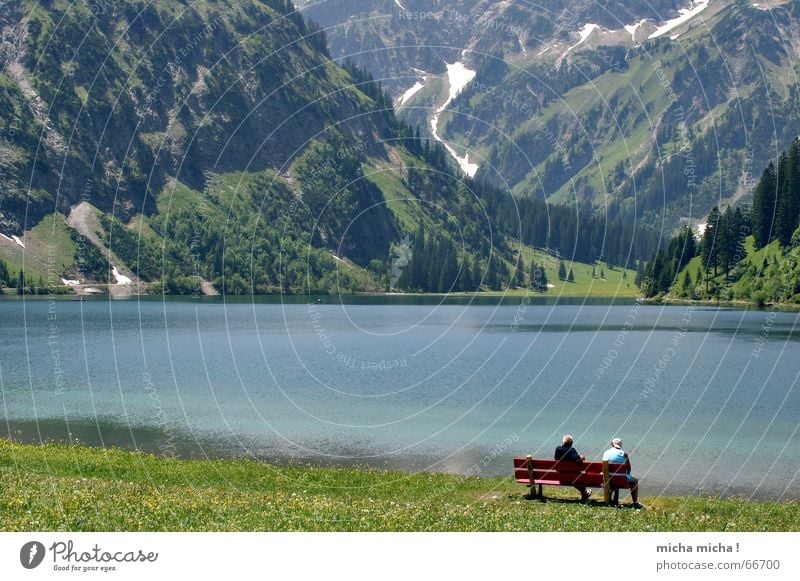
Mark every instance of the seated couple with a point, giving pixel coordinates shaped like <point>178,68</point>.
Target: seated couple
<point>615,455</point>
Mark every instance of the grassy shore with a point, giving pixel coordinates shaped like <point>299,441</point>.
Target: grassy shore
<point>75,488</point>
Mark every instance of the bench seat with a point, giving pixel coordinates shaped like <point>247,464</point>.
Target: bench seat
<point>535,473</point>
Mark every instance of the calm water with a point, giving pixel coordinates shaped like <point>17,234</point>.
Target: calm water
<point>705,399</point>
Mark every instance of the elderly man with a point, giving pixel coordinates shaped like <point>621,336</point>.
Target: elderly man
<point>616,455</point>
<point>566,451</point>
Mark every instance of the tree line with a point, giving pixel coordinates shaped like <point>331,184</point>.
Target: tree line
<point>775,216</point>
<point>776,201</point>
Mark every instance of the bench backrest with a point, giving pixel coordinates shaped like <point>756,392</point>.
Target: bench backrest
<point>568,473</point>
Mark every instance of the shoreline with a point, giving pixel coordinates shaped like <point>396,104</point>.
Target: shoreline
<point>211,452</point>
<point>733,304</point>
<point>75,488</point>
<point>516,294</point>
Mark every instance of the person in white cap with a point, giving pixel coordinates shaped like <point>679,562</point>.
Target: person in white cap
<point>616,455</point>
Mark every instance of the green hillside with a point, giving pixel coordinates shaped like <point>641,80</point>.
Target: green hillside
<point>765,276</point>
<point>208,146</point>
<point>727,263</point>
<point>58,487</point>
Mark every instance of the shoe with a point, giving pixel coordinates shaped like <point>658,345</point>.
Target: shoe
<point>638,505</point>
<point>585,498</point>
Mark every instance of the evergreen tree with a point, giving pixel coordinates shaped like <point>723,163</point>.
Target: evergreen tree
<point>726,240</point>
<point>465,282</point>
<point>570,276</point>
<point>476,274</point>
<point>788,206</point>
<point>519,273</point>
<point>640,271</point>
<point>538,278</point>
<point>661,273</point>
<point>562,270</point>
<point>688,287</point>
<point>711,243</point>
<point>764,202</point>
<point>418,259</point>
<point>491,274</point>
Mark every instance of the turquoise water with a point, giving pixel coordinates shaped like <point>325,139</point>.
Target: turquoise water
<point>706,399</point>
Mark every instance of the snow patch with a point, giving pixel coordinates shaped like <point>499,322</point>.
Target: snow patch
<point>701,229</point>
<point>403,8</point>
<point>632,28</point>
<point>120,278</point>
<point>686,14</point>
<point>521,45</point>
<point>459,76</point>
<point>411,92</point>
<point>585,32</point>
<point>17,240</point>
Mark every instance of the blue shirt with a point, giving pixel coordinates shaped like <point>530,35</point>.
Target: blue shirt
<point>567,453</point>
<point>614,455</point>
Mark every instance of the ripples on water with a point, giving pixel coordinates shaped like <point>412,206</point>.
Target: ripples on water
<point>706,399</point>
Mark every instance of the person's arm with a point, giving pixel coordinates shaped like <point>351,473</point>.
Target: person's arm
<point>627,462</point>
<point>574,456</point>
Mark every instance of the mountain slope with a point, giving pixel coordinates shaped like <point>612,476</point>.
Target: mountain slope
<point>107,103</point>
<point>197,142</point>
<point>650,112</point>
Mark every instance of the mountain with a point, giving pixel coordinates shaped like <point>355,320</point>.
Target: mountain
<point>403,41</point>
<point>647,112</point>
<point>743,254</point>
<point>208,146</point>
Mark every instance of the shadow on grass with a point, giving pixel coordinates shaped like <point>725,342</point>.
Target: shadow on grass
<point>577,501</point>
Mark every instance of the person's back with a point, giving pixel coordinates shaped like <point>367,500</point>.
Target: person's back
<point>616,455</point>
<point>566,452</point>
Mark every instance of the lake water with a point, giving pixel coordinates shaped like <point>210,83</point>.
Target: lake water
<point>706,399</point>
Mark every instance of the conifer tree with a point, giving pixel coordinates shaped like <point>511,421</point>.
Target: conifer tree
<point>687,285</point>
<point>562,270</point>
<point>711,243</point>
<point>476,274</point>
<point>640,271</point>
<point>788,206</point>
<point>764,206</point>
<point>519,274</point>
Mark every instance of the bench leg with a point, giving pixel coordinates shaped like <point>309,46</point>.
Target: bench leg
<point>540,491</point>
<point>615,500</point>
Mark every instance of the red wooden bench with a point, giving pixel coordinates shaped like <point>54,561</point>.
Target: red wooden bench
<point>610,477</point>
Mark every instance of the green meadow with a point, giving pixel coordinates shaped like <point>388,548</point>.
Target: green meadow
<point>61,487</point>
